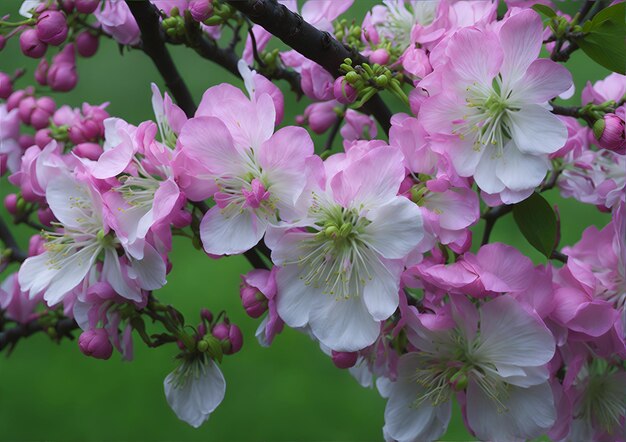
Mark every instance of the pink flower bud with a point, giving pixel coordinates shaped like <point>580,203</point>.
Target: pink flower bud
<point>91,151</point>
<point>200,9</point>
<point>52,28</point>
<point>67,5</point>
<point>182,219</point>
<point>230,335</point>
<point>16,97</point>
<point>3,42</point>
<point>610,132</point>
<point>46,217</point>
<point>10,202</point>
<point>206,314</point>
<point>95,343</point>
<point>321,116</point>
<point>344,359</point>
<point>36,245</point>
<point>86,6</point>
<point>380,56</point>
<point>62,74</point>
<point>26,140</point>
<point>201,329</point>
<point>42,137</point>
<point>254,302</point>
<point>6,87</point>
<point>26,108</point>
<point>343,91</point>
<point>30,44</point>
<point>86,44</point>
<point>41,72</point>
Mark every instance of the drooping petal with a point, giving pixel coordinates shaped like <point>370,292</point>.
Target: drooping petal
<point>196,396</point>
<point>294,299</point>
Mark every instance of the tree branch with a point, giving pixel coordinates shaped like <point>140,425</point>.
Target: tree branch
<point>152,43</point>
<point>309,41</point>
<point>9,241</point>
<point>10,337</point>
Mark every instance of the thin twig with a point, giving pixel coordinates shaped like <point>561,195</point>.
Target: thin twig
<point>17,254</point>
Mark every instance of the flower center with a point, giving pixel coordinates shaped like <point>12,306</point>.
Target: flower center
<point>138,191</point>
<point>401,17</point>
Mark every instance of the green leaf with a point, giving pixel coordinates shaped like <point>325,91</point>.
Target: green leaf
<point>537,221</point>
<point>605,38</point>
<point>544,10</point>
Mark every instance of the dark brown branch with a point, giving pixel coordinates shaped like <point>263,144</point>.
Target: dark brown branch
<point>152,43</point>
<point>9,241</point>
<point>11,336</point>
<point>572,111</point>
<point>309,41</point>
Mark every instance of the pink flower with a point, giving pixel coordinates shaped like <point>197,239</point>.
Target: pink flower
<point>501,135</point>
<point>340,269</point>
<point>263,282</point>
<point>613,87</point>
<point>495,357</point>
<point>15,303</point>
<point>117,20</point>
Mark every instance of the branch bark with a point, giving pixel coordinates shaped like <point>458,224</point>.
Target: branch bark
<point>9,241</point>
<point>11,336</point>
<point>316,45</point>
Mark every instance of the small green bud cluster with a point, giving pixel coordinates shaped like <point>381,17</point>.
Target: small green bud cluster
<point>369,80</point>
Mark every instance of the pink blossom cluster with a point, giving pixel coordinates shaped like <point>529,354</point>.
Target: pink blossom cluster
<point>369,249</point>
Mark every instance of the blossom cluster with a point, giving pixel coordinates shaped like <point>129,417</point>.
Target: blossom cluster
<point>369,249</point>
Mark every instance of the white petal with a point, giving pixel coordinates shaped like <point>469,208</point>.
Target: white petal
<point>294,299</point>
<point>529,413</point>
<point>230,235</point>
<point>68,200</point>
<point>381,292</point>
<point>510,335</point>
<point>150,270</point>
<point>519,171</point>
<point>197,398</point>
<point>71,273</point>
<point>485,174</point>
<point>343,324</point>
<point>536,130</point>
<point>396,228</point>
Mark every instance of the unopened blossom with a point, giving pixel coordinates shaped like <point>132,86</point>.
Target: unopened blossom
<point>340,268</point>
<point>491,119</point>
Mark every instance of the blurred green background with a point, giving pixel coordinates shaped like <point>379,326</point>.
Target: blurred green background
<point>290,391</point>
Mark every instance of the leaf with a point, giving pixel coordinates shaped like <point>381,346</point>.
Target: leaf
<point>537,221</point>
<point>544,10</point>
<point>604,39</point>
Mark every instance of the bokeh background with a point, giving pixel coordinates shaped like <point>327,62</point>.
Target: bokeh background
<point>290,391</point>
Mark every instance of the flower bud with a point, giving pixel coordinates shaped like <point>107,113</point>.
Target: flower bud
<point>26,108</point>
<point>3,42</point>
<point>36,245</point>
<point>95,343</point>
<point>610,132</point>
<point>62,74</point>
<point>10,202</point>
<point>200,9</point>
<point>380,56</point>
<point>344,359</point>
<point>87,44</point>
<point>6,87</point>
<point>344,92</point>
<point>86,6</point>
<point>51,27</point>
<point>30,44</point>
<point>67,5</point>
<point>26,140</point>
<point>254,302</point>
<point>42,137</point>
<point>46,217</point>
<point>206,314</point>
<point>230,335</point>
<point>16,97</point>
<point>90,151</point>
<point>41,72</point>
